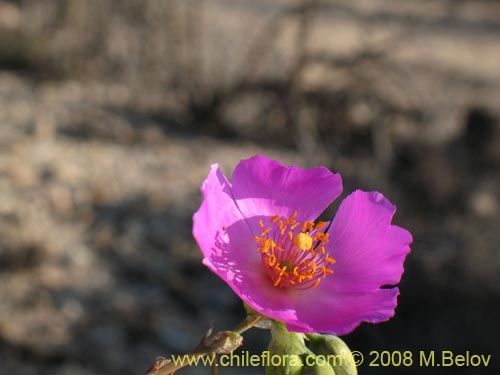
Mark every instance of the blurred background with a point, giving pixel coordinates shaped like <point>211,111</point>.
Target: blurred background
<point>112,112</point>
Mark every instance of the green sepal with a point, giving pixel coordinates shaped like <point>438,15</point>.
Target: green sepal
<point>328,345</point>
<point>289,346</point>
<point>317,367</point>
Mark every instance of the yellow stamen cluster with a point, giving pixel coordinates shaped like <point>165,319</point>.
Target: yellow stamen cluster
<point>293,253</point>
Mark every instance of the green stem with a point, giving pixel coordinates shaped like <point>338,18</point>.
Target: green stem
<point>249,322</point>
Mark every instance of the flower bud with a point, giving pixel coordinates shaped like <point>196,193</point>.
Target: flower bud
<point>336,351</point>
<point>286,348</point>
<point>314,365</point>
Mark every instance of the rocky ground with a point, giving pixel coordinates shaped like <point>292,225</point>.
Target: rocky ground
<point>99,178</point>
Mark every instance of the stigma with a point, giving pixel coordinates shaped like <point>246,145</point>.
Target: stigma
<point>293,253</point>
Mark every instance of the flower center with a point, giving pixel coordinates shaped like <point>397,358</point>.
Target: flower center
<point>293,253</point>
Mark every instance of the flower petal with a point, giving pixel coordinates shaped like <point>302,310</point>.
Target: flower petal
<point>369,253</point>
<point>369,250</point>
<point>255,288</point>
<point>338,313</point>
<point>230,251</point>
<point>217,213</point>
<point>265,187</point>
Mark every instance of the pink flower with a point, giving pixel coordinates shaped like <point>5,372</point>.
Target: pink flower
<point>258,235</point>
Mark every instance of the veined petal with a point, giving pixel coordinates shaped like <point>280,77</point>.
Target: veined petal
<point>253,286</point>
<point>230,251</point>
<point>369,253</point>
<point>334,311</point>
<point>217,213</point>
<point>265,187</point>
<point>369,250</point>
